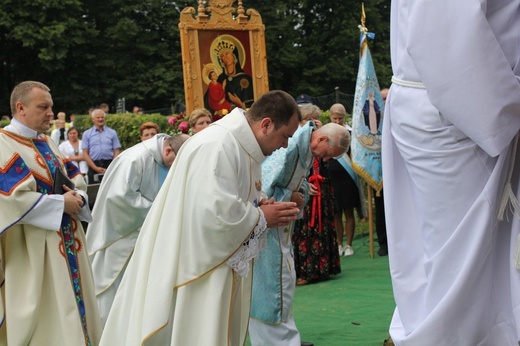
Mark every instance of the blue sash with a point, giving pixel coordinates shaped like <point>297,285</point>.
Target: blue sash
<point>163,172</point>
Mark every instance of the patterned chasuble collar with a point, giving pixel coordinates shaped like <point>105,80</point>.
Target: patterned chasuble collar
<point>46,157</point>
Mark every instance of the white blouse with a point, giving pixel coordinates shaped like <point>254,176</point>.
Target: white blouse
<point>68,150</point>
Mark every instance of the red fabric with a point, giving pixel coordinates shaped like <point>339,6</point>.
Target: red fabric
<point>316,179</point>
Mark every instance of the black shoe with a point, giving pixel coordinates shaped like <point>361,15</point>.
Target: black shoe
<point>383,250</point>
<point>307,343</point>
<point>388,342</point>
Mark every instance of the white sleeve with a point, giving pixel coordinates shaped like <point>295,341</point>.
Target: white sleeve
<point>84,214</point>
<point>47,213</point>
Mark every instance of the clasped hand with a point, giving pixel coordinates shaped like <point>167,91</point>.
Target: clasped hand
<point>279,213</point>
<point>73,201</point>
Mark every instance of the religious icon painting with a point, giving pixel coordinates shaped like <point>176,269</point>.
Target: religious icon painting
<point>226,70</point>
<point>224,57</point>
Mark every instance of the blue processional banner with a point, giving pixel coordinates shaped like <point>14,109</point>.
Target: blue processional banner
<point>367,119</point>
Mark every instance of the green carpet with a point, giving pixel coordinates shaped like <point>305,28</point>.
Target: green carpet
<point>352,309</point>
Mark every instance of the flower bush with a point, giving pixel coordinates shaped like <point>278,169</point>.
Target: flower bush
<point>179,124</point>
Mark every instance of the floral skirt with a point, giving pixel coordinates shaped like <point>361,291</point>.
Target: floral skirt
<point>316,255</point>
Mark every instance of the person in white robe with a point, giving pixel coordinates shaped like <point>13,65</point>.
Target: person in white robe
<point>449,136</point>
<point>47,292</point>
<point>188,280</point>
<point>125,196</point>
<point>284,179</point>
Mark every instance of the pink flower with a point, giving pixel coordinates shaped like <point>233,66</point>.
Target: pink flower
<point>183,127</point>
<point>172,120</point>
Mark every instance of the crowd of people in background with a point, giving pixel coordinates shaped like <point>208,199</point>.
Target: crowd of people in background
<point>128,183</point>
<point>289,162</point>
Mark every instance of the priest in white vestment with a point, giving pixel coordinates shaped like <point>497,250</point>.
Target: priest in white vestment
<point>449,136</point>
<point>188,281</point>
<point>46,292</point>
<point>284,178</point>
<point>125,196</point>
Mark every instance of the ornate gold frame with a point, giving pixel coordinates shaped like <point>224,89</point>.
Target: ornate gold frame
<point>220,17</point>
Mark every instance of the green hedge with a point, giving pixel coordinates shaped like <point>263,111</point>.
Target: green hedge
<point>126,125</point>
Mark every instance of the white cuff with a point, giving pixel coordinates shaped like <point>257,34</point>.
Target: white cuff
<point>256,243</point>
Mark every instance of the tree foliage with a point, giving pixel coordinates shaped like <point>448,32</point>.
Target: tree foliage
<point>96,51</point>
<point>313,45</point>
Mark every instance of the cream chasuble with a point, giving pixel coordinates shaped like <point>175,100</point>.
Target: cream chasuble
<point>178,288</point>
<point>125,196</point>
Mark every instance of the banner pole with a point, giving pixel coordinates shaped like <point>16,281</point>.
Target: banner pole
<point>370,221</point>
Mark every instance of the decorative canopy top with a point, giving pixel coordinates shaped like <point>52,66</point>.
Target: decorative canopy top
<point>221,12</point>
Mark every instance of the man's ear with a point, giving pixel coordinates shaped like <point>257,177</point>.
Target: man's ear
<point>264,125</point>
<point>322,138</point>
<point>20,108</point>
<point>167,150</point>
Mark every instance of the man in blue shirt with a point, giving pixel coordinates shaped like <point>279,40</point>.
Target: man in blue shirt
<point>100,146</point>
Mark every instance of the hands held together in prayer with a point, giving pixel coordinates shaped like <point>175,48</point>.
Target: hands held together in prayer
<point>278,213</point>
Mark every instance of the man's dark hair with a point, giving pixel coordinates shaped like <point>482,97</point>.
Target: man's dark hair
<point>277,105</point>
<point>176,141</point>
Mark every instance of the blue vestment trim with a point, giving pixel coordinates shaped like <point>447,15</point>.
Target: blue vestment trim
<point>71,245</point>
<point>13,174</point>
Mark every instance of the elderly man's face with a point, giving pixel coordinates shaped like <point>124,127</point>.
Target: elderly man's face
<point>98,118</point>
<point>321,148</point>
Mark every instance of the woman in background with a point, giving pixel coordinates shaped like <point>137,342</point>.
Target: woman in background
<point>148,130</point>
<point>71,149</point>
<point>199,119</point>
